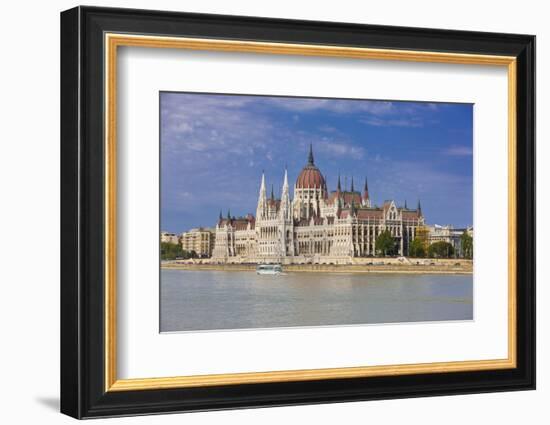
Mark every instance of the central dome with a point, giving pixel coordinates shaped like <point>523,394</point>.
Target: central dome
<point>310,177</point>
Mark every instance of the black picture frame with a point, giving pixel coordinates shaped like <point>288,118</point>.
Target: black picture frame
<point>83,392</point>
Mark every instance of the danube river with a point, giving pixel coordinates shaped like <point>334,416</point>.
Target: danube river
<point>209,300</point>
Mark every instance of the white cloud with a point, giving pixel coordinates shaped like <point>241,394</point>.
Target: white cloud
<point>339,148</point>
<point>328,129</point>
<point>403,114</point>
<point>381,122</point>
<point>332,105</point>
<point>459,151</point>
<point>219,125</point>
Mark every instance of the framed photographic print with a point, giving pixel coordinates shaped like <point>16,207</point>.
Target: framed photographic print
<point>261,212</point>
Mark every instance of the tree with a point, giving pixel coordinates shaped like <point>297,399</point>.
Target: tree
<point>385,243</point>
<point>417,248</point>
<point>423,234</point>
<point>467,243</point>
<point>441,249</point>
<point>170,251</point>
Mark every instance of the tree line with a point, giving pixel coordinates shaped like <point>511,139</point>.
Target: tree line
<point>170,251</point>
<point>421,248</point>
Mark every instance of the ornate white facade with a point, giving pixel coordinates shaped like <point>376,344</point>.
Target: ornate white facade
<point>315,226</point>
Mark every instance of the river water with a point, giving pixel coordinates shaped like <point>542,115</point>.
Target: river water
<point>209,300</point>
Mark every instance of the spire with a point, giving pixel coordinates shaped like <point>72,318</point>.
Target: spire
<point>310,156</point>
<point>339,186</point>
<point>419,208</point>
<point>220,214</point>
<point>262,189</point>
<point>366,197</point>
<point>272,195</point>
<point>285,181</point>
<point>262,184</point>
<point>406,204</point>
<point>262,199</point>
<point>228,214</point>
<point>285,209</point>
<point>352,189</point>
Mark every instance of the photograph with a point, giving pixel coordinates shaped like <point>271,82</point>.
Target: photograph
<point>283,210</point>
<point>280,211</point>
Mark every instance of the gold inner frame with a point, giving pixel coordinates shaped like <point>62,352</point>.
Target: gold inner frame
<point>113,41</point>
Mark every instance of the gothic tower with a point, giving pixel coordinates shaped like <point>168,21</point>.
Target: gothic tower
<point>366,196</point>
<point>261,209</point>
<point>286,226</point>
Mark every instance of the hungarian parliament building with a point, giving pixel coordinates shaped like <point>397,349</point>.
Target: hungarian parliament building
<point>314,226</point>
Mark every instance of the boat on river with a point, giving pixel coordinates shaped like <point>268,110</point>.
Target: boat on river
<point>269,269</point>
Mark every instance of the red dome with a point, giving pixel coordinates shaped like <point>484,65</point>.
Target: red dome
<point>310,178</point>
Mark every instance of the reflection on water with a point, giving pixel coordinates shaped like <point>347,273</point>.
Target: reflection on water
<point>208,300</point>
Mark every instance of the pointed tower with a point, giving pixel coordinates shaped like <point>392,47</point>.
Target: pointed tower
<point>406,205</point>
<point>366,197</point>
<point>285,209</point>
<point>262,200</point>
<point>286,225</point>
<point>419,209</point>
<point>352,188</point>
<point>310,156</point>
<point>338,192</point>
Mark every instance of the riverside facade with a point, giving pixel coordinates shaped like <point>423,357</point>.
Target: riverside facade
<point>314,226</point>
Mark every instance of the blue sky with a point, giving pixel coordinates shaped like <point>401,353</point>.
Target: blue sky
<point>214,148</point>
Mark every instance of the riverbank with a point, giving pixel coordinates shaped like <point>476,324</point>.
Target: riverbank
<point>459,267</point>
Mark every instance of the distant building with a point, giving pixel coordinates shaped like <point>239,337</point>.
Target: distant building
<point>168,237</point>
<point>200,240</point>
<point>450,235</point>
<point>314,226</point>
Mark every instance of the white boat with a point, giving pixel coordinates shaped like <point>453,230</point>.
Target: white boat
<point>269,269</point>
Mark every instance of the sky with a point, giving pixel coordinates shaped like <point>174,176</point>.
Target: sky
<point>214,148</point>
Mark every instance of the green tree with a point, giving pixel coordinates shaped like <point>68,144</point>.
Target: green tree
<point>417,248</point>
<point>385,244</point>
<point>467,243</point>
<point>170,251</point>
<point>423,234</point>
<point>441,249</point>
